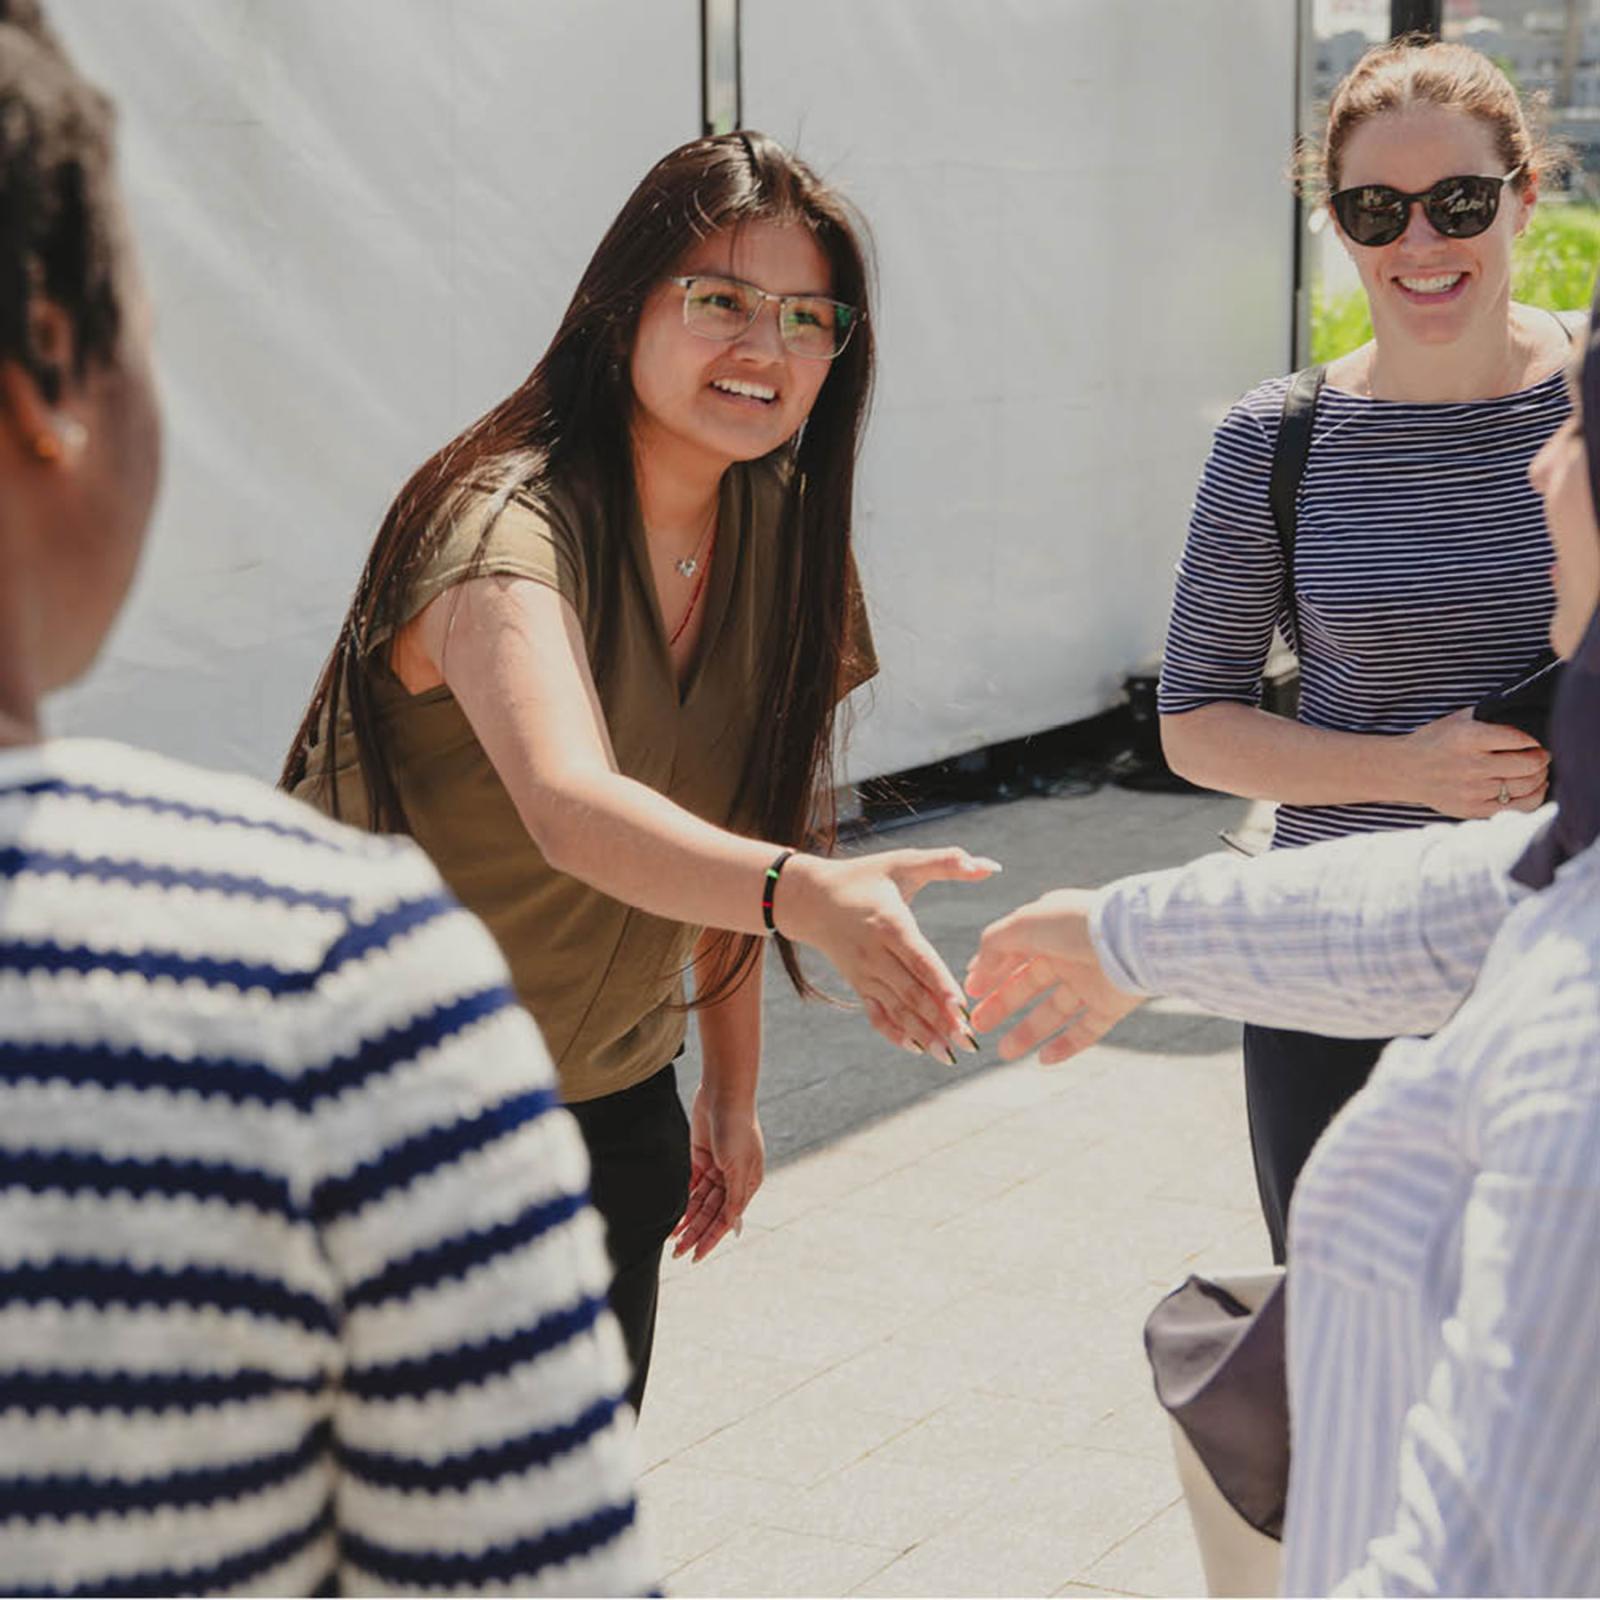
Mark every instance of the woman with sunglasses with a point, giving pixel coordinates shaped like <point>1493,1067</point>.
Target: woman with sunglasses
<point>592,667</point>
<point>1442,1297</point>
<point>1420,557</point>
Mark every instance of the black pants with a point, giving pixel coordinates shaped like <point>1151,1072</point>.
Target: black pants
<point>639,1157</point>
<point>1294,1084</point>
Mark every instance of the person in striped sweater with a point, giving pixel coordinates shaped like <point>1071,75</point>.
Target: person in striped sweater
<point>1418,583</point>
<point>300,1289</point>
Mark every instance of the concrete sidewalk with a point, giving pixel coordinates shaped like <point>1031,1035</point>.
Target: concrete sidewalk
<point>920,1369</point>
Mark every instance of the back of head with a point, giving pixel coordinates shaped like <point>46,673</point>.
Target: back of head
<point>58,220</point>
<point>1418,70</point>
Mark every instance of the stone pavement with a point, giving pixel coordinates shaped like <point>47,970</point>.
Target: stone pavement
<point>919,1371</point>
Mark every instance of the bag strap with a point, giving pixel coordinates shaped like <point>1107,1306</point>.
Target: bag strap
<point>1572,323</point>
<point>1289,456</point>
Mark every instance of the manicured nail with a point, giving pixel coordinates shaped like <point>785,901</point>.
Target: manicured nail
<point>970,1041</point>
<point>965,1010</point>
<point>949,1056</point>
<point>911,1048</point>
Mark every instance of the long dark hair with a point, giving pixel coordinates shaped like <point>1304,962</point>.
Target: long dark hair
<point>569,423</point>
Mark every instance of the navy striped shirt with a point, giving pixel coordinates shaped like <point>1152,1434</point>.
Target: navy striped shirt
<point>299,1287</point>
<point>1422,564</point>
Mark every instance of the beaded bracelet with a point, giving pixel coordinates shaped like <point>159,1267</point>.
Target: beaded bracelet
<point>770,888</point>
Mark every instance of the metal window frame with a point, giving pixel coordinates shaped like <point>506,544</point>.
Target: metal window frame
<point>721,44</point>
<point>1415,16</point>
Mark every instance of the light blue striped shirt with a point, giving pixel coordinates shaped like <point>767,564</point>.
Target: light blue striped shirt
<point>1444,1288</point>
<point>299,1287</point>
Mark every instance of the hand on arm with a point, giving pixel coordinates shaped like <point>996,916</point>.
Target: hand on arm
<point>512,652</point>
<point>1455,766</point>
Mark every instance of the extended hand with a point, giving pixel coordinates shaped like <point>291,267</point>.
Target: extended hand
<point>857,912</point>
<point>1460,767</point>
<point>727,1161</point>
<point>1042,952</point>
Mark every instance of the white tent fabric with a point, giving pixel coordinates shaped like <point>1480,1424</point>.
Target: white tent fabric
<point>1084,236</point>
<point>361,221</point>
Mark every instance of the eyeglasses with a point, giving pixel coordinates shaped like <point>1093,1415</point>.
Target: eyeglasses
<point>811,325</point>
<point>1459,208</point>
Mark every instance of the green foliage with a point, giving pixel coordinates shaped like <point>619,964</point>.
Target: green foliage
<point>1556,258</point>
<point>1554,265</point>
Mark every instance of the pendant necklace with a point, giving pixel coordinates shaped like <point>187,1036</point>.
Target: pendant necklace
<point>688,565</point>
<point>694,597</point>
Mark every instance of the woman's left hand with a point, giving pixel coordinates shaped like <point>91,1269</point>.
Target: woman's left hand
<point>727,1161</point>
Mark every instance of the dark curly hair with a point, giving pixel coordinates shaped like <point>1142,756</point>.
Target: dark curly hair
<point>58,219</point>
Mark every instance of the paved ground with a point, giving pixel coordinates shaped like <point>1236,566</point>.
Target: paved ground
<point>920,1370</point>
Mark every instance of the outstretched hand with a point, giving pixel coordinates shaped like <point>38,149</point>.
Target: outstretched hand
<point>857,911</point>
<point>1042,953</point>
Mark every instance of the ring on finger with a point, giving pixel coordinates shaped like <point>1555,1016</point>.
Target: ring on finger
<point>1504,797</point>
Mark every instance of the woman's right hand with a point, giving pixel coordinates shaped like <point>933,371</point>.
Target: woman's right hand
<point>857,911</point>
<point>1458,765</point>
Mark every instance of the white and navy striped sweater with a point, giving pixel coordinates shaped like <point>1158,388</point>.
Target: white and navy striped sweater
<point>299,1288</point>
<point>1422,566</point>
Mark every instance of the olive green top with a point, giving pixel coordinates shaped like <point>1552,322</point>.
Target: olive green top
<point>603,979</point>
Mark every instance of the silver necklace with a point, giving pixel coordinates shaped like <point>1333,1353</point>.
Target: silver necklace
<point>687,566</point>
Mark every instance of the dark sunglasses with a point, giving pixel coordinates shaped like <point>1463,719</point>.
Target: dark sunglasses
<point>1459,208</point>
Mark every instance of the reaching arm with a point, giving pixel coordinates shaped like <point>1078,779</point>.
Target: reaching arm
<point>1376,934</point>
<point>512,652</point>
<point>1360,937</point>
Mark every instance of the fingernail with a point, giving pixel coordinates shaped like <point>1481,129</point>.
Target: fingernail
<point>910,1048</point>
<point>965,1011</point>
<point>970,1042</point>
<point>949,1056</point>
<point>990,863</point>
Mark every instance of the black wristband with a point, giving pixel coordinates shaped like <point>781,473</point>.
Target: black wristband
<point>769,887</point>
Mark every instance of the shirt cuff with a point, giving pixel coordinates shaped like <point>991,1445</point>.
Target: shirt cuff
<point>1111,932</point>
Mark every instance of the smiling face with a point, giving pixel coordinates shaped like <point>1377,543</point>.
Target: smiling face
<point>1424,286</point>
<point>736,401</point>
<point>1560,472</point>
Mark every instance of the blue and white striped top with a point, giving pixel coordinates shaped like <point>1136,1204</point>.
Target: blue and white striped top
<point>1443,1297</point>
<point>1421,558</point>
<point>299,1288</point>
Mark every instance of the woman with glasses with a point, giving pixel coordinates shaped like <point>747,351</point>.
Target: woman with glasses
<point>1419,555</point>
<point>592,667</point>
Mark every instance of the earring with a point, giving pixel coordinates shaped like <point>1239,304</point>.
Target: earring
<point>62,442</point>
